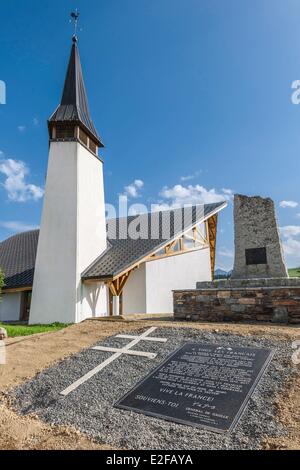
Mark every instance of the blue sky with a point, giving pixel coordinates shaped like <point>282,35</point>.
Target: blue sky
<point>191,97</point>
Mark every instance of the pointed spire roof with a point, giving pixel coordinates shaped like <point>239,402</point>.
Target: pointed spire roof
<point>74,103</point>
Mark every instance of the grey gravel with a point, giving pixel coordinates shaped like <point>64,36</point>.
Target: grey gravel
<point>90,407</point>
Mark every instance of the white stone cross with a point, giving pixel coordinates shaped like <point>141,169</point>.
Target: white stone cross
<point>117,353</point>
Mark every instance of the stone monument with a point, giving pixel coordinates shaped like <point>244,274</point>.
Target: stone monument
<point>259,288</point>
<point>258,251</point>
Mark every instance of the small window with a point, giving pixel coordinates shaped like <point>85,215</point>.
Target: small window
<point>83,137</point>
<point>65,131</point>
<point>93,147</point>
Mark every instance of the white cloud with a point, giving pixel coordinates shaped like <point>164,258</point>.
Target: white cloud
<point>292,247</point>
<point>179,195</point>
<point>17,226</point>
<point>228,192</point>
<point>290,204</point>
<point>132,190</point>
<point>291,244</point>
<point>18,190</point>
<point>190,177</point>
<point>290,231</point>
<point>35,121</point>
<point>226,252</point>
<point>21,128</point>
<point>187,178</point>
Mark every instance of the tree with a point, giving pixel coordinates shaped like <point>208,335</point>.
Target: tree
<point>1,282</point>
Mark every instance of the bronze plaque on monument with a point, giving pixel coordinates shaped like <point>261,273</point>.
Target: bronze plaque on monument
<point>201,385</point>
<point>256,256</point>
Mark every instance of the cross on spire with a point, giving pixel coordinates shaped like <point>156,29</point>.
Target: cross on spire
<point>74,19</point>
<point>73,108</point>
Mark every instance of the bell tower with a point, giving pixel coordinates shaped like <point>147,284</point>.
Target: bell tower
<point>73,227</point>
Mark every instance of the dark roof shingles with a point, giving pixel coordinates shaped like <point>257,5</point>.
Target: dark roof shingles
<point>125,251</point>
<point>17,259</point>
<point>74,103</point>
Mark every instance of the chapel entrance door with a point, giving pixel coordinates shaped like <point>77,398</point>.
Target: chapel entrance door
<point>25,305</point>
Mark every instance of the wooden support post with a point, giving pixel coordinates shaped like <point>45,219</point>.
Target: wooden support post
<point>195,235</point>
<point>181,244</point>
<point>212,237</point>
<point>116,287</point>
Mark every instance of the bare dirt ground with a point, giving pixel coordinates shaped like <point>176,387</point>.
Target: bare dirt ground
<point>29,355</point>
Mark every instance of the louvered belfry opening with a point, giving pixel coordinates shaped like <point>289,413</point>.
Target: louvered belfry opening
<point>64,131</point>
<point>72,120</point>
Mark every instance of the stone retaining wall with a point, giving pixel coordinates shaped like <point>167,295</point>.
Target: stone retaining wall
<point>239,304</point>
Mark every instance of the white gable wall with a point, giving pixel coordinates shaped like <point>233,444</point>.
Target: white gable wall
<point>10,306</point>
<point>149,288</point>
<point>174,272</point>
<point>134,293</point>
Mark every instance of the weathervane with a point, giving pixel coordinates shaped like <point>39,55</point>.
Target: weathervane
<point>74,19</point>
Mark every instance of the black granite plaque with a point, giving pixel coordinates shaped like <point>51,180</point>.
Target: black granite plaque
<point>202,385</point>
<point>256,256</point>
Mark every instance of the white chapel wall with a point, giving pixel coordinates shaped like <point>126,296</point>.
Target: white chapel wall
<point>72,235</point>
<point>134,293</point>
<point>10,306</point>
<point>54,289</point>
<point>174,272</point>
<point>91,232</point>
<point>94,301</point>
<point>91,224</point>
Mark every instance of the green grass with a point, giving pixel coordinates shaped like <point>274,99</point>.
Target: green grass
<point>294,272</point>
<point>26,330</point>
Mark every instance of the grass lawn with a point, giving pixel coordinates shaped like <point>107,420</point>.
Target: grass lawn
<point>294,272</point>
<point>26,330</point>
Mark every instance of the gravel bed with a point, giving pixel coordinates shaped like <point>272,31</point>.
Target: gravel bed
<point>90,407</point>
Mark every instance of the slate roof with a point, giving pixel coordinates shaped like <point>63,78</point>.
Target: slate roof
<point>123,252</point>
<point>74,103</point>
<point>18,253</point>
<point>17,259</point>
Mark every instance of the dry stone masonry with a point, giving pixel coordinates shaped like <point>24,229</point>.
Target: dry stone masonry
<point>258,251</point>
<point>276,301</point>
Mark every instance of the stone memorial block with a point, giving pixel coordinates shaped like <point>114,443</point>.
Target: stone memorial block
<point>201,385</point>
<point>258,251</point>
